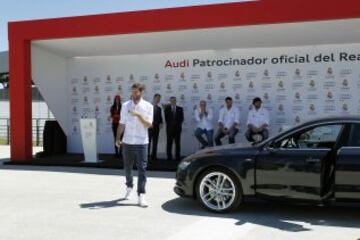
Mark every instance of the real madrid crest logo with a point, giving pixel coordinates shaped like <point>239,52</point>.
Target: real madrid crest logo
<point>345,83</point>
<point>266,73</point>
<point>312,107</point>
<point>329,71</point>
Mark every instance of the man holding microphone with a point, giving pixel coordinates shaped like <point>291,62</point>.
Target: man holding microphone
<point>136,118</point>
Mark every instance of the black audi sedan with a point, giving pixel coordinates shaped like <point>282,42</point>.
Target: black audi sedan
<point>315,162</point>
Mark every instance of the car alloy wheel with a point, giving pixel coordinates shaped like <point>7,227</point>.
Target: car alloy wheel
<point>218,191</point>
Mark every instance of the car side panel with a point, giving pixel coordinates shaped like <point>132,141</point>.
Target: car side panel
<point>347,175</point>
<point>243,167</point>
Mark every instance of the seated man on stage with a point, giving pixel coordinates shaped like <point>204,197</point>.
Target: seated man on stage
<point>204,125</point>
<point>257,123</point>
<point>228,122</point>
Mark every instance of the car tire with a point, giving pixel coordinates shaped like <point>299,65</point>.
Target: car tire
<point>219,190</point>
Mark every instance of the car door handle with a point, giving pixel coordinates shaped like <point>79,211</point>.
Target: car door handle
<point>312,160</point>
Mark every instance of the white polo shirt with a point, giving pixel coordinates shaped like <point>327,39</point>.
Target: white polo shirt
<point>229,116</point>
<point>258,117</point>
<point>135,132</point>
<point>206,121</point>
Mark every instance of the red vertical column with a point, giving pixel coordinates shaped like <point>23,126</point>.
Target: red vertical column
<point>20,99</point>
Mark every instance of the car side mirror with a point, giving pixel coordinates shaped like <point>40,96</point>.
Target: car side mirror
<point>270,148</point>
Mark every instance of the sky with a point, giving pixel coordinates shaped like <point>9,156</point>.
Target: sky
<point>17,10</point>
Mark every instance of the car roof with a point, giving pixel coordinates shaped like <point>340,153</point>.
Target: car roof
<point>332,119</point>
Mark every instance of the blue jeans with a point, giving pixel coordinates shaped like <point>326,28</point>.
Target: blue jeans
<point>209,136</point>
<point>138,154</point>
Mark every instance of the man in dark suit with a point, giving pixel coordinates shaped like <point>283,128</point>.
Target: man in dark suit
<point>174,117</point>
<point>155,128</point>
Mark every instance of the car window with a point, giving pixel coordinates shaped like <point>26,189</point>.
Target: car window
<point>354,140</point>
<point>319,137</point>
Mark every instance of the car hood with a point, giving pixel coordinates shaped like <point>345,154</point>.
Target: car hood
<point>229,149</point>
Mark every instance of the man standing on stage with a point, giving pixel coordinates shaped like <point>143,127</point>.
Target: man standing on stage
<point>136,118</point>
<point>174,117</point>
<point>155,128</point>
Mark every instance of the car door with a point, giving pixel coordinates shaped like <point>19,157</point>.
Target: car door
<point>347,168</point>
<point>291,167</point>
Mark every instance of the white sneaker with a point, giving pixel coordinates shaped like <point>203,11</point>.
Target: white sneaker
<point>142,201</point>
<point>128,193</point>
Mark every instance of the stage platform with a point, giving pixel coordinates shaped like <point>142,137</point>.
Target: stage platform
<point>105,161</point>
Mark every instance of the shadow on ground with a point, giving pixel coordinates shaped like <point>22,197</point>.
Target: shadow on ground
<point>107,204</point>
<point>291,218</point>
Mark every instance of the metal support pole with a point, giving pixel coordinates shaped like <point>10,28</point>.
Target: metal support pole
<point>37,132</point>
<point>8,131</point>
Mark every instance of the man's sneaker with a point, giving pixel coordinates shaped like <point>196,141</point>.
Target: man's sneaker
<point>142,201</point>
<point>128,193</point>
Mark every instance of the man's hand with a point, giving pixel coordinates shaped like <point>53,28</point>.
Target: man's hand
<point>141,118</point>
<point>254,129</point>
<point>221,125</point>
<point>119,132</point>
<point>118,142</point>
<point>135,114</point>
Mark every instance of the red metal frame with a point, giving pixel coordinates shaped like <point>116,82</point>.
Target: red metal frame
<point>209,16</point>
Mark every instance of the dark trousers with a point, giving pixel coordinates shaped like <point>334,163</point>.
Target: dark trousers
<point>209,136</point>
<point>114,129</point>
<point>153,140</point>
<point>220,134</point>
<point>173,134</point>
<point>249,135</point>
<point>138,154</point>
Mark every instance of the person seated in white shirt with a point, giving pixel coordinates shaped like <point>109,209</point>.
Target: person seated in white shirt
<point>257,123</point>
<point>204,125</point>
<point>228,122</point>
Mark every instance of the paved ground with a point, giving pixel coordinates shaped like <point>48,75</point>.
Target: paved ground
<point>70,203</point>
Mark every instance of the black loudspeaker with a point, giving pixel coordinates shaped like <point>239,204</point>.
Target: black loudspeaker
<point>54,138</point>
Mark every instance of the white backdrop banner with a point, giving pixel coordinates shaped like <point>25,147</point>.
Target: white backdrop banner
<point>296,84</point>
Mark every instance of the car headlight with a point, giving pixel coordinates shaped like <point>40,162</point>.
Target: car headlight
<point>184,165</point>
